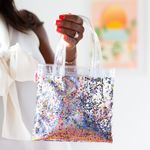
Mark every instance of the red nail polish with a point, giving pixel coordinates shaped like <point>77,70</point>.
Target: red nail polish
<point>65,37</point>
<point>58,29</point>
<point>61,16</point>
<point>58,22</point>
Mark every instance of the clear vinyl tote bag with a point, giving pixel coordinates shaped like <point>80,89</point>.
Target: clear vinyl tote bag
<point>73,103</point>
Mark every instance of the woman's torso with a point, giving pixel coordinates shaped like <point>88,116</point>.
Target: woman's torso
<point>27,97</point>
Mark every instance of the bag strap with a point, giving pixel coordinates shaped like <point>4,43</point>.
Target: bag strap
<point>60,55</point>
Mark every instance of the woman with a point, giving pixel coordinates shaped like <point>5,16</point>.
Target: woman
<point>24,28</point>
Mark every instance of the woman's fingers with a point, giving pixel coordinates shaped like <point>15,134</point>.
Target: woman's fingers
<point>71,18</point>
<point>70,41</point>
<point>70,25</point>
<point>69,32</point>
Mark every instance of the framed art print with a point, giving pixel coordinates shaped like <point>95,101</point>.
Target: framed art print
<point>119,26</point>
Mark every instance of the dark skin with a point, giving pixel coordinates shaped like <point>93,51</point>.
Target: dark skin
<point>67,25</point>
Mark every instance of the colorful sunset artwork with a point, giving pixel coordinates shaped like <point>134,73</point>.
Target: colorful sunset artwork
<point>115,22</point>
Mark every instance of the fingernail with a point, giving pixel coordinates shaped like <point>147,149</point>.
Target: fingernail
<point>58,29</point>
<point>65,37</point>
<point>58,22</point>
<point>61,16</point>
<point>69,13</point>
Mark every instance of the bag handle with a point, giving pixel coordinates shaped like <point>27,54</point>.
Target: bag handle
<point>60,55</point>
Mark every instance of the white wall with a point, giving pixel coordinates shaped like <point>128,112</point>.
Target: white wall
<point>131,121</point>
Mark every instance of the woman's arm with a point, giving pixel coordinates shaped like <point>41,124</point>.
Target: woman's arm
<point>39,30</point>
<point>45,47</point>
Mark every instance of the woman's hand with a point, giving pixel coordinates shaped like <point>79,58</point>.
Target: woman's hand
<point>68,25</point>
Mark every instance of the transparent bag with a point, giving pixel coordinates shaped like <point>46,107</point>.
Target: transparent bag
<point>74,103</point>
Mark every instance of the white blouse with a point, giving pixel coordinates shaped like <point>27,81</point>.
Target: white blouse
<point>27,98</point>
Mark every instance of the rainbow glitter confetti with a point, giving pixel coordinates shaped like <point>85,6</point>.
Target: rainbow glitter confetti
<point>73,108</point>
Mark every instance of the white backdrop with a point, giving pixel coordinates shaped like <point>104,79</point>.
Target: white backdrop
<point>131,121</point>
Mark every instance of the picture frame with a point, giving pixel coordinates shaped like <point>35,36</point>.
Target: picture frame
<point>139,68</point>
